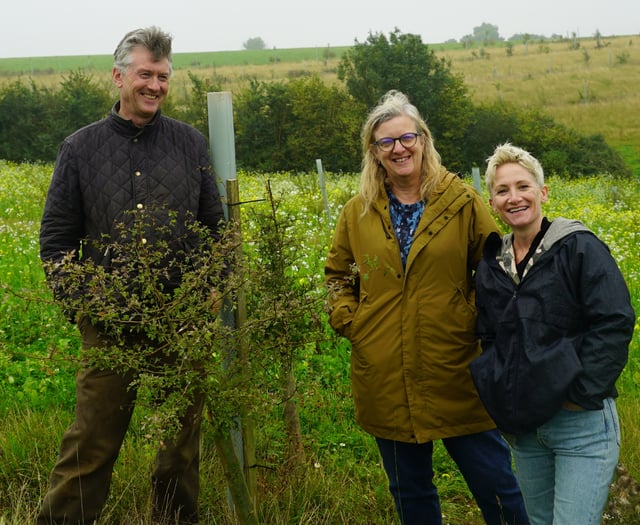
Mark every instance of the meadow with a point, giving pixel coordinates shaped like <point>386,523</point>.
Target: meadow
<point>342,481</point>
<point>592,89</point>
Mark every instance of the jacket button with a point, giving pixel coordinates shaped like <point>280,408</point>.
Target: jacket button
<point>140,206</point>
<point>138,173</point>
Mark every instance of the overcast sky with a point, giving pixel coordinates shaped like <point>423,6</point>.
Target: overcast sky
<point>88,27</point>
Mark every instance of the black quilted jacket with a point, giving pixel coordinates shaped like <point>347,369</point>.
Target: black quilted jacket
<point>110,167</point>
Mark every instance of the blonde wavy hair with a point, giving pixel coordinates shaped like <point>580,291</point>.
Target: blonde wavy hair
<point>373,177</point>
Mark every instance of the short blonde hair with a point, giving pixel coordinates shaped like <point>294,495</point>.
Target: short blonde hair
<point>506,153</point>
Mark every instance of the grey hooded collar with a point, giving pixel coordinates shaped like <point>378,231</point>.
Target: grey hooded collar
<point>559,229</point>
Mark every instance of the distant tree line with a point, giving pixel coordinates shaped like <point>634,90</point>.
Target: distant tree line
<point>487,35</point>
<point>286,125</point>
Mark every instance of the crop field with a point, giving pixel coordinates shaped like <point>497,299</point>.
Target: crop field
<point>344,482</point>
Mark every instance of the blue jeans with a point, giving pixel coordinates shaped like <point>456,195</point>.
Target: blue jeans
<point>565,466</point>
<point>484,460</point>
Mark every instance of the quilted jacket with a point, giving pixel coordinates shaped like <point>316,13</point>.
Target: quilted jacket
<point>560,334</point>
<point>412,329</point>
<point>110,167</point>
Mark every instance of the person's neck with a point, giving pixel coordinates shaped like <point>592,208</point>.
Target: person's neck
<point>406,193</point>
<point>523,239</point>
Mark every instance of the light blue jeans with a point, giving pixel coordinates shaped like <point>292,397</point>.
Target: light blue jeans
<point>565,467</point>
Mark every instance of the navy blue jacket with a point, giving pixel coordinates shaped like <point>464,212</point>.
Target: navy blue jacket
<point>561,333</point>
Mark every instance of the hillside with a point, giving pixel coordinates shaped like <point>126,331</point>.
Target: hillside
<point>591,89</point>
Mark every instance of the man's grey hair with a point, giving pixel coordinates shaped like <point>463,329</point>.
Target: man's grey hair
<point>153,38</point>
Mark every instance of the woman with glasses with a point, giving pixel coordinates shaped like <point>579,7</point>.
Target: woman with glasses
<point>399,274</point>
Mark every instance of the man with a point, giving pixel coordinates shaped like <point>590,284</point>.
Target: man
<point>134,159</point>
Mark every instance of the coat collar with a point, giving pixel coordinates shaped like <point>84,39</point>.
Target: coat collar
<point>127,127</point>
<point>447,192</point>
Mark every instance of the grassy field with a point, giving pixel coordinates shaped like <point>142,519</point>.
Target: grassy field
<point>592,89</point>
<point>43,66</point>
<point>342,481</point>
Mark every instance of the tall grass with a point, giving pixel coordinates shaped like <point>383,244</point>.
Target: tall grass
<point>343,481</point>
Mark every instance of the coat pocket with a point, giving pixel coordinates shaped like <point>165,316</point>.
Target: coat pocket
<point>524,387</point>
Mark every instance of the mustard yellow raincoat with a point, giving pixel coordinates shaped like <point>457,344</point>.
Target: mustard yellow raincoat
<point>411,329</point>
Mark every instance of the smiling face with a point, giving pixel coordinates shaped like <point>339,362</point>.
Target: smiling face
<point>517,197</point>
<point>143,86</point>
<point>403,165</point>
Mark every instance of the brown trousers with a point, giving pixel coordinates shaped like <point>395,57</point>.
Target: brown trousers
<point>80,480</point>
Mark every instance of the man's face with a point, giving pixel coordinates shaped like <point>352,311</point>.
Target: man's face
<point>143,86</point>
